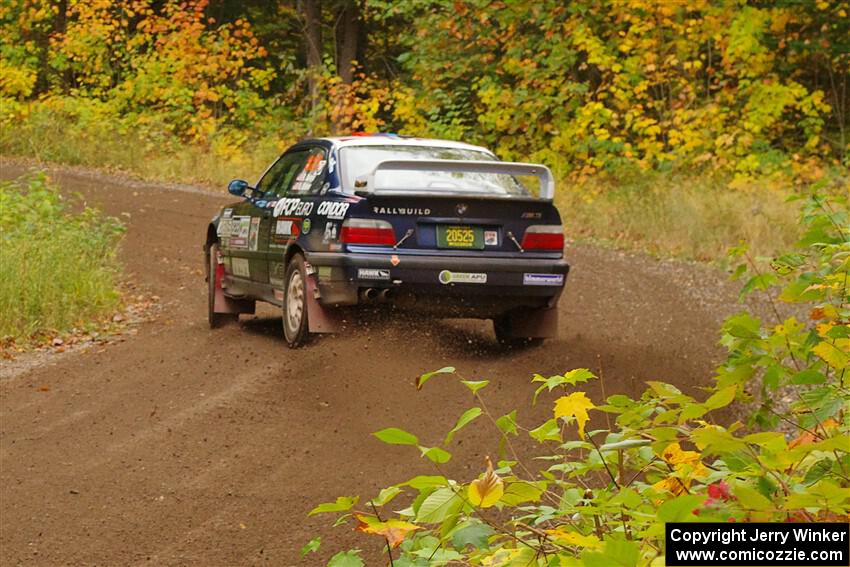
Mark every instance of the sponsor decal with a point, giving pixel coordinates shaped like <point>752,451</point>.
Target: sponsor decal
<point>278,294</point>
<point>227,213</point>
<point>373,274</point>
<point>261,203</point>
<point>286,227</point>
<point>331,232</point>
<point>236,243</point>
<point>333,209</point>
<point>400,211</point>
<point>543,279</point>
<point>491,238</point>
<point>224,227</point>
<point>240,226</point>
<point>292,207</point>
<point>532,215</point>
<point>240,267</point>
<point>254,233</point>
<point>304,181</point>
<point>307,224</point>
<point>277,272</point>
<point>447,277</point>
<point>312,169</point>
<point>462,208</point>
<point>394,260</point>
<point>325,272</point>
<point>308,268</point>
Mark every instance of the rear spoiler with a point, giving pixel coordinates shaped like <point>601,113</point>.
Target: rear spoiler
<point>547,182</point>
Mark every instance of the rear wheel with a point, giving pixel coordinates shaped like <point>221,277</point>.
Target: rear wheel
<point>506,335</point>
<point>214,275</point>
<point>295,303</point>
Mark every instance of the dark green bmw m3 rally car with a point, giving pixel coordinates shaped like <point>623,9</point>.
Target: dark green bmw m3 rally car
<point>428,226</point>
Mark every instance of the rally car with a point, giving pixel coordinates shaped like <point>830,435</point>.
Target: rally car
<point>429,226</point>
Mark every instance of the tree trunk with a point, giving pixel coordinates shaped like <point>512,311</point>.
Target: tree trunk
<point>42,40</point>
<point>313,42</point>
<point>348,32</point>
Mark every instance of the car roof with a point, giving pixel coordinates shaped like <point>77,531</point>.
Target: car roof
<point>396,140</point>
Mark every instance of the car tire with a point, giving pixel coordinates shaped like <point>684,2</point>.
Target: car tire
<point>507,338</point>
<point>294,309</point>
<point>216,320</point>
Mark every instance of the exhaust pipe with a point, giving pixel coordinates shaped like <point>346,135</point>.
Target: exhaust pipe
<point>387,294</point>
<point>369,294</point>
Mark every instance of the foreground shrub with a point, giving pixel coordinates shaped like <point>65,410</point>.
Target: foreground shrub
<point>58,267</point>
<point>602,496</point>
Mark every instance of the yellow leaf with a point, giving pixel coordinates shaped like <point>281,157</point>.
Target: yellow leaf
<point>836,355</point>
<point>394,531</point>
<point>673,484</point>
<point>487,490</point>
<point>674,455</point>
<point>574,538</point>
<point>575,405</point>
<point>824,328</point>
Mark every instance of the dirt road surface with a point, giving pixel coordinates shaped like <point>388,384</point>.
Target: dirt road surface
<point>186,446</point>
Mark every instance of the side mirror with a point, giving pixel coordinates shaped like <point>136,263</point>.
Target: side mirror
<point>238,187</point>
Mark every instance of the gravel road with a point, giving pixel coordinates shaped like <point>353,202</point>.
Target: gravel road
<point>185,446</point>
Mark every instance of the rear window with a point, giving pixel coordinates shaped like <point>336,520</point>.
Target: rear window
<point>359,161</point>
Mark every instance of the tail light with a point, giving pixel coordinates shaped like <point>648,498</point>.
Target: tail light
<point>367,231</point>
<point>543,237</point>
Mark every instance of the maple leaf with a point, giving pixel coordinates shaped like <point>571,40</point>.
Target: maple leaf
<point>674,455</point>
<point>672,484</point>
<point>394,531</point>
<point>575,405</point>
<point>488,489</point>
<point>834,354</point>
<point>807,438</point>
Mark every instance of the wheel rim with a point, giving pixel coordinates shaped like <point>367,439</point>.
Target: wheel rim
<point>294,302</point>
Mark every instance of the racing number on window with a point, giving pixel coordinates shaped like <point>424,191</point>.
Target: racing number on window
<point>299,173</point>
<point>312,174</point>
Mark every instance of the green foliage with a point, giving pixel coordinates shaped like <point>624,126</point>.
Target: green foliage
<point>58,267</point>
<point>701,95</point>
<point>613,85</point>
<point>602,496</point>
<point>751,89</point>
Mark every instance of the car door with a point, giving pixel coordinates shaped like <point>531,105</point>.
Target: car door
<point>240,246</point>
<point>294,207</point>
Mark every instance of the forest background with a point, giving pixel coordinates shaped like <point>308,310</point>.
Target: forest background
<point>673,127</point>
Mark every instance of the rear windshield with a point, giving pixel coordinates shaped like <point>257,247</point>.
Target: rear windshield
<point>359,161</point>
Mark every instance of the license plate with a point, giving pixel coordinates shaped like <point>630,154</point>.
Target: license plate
<point>453,236</point>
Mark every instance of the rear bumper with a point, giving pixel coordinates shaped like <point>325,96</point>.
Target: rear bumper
<point>463,284</point>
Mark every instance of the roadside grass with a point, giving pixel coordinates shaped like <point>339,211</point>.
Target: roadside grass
<point>688,216</point>
<point>681,216</point>
<point>58,268</point>
<point>90,135</point>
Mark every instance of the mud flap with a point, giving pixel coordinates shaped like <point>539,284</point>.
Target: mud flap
<point>224,304</point>
<point>532,323</point>
<point>320,319</point>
